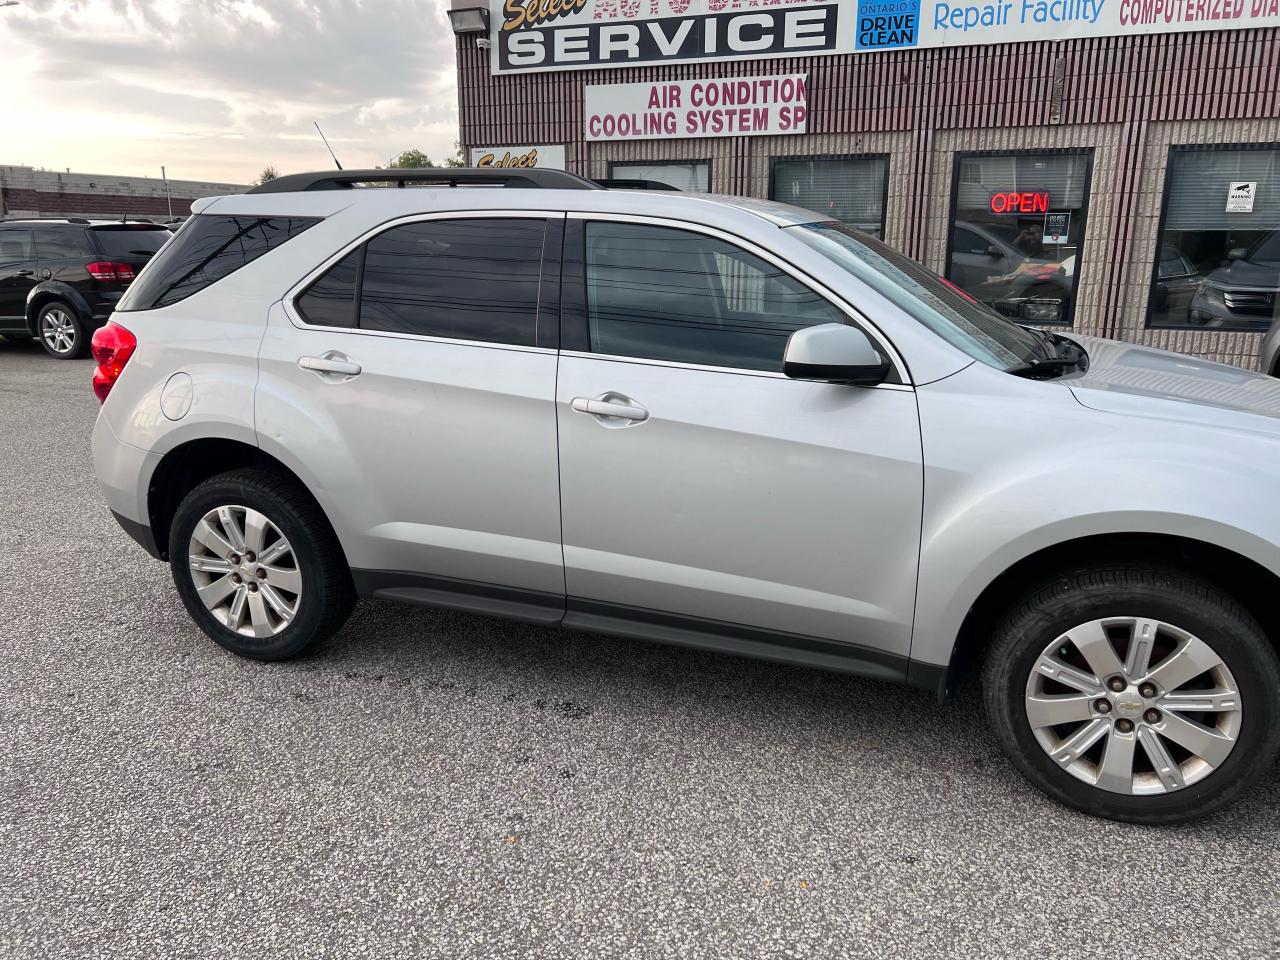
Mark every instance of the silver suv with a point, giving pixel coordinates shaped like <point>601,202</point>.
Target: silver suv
<point>709,421</point>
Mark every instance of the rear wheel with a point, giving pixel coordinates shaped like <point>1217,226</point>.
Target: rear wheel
<point>61,331</point>
<point>1136,693</point>
<point>257,565</point>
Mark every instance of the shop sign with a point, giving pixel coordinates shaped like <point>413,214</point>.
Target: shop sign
<point>680,109</point>
<point>1055,228</point>
<point>536,35</point>
<point>1019,202</point>
<point>550,158</point>
<point>1240,195</point>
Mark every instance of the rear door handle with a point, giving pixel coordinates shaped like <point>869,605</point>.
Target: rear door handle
<point>611,405</point>
<point>25,273</point>
<point>331,362</point>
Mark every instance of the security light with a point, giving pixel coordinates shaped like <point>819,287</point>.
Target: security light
<point>470,20</point>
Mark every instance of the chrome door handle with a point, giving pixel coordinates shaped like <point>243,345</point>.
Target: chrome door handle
<point>25,273</point>
<point>330,363</point>
<point>611,405</point>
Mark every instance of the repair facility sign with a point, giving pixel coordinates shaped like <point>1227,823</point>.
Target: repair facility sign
<point>537,35</point>
<point>674,110</point>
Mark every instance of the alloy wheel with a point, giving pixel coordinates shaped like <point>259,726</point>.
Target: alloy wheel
<point>58,330</point>
<point>245,571</point>
<point>1133,705</point>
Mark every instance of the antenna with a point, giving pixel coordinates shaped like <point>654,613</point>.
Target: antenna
<point>326,143</point>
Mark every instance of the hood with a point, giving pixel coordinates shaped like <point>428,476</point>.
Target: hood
<point>1247,275</point>
<point>1125,378</point>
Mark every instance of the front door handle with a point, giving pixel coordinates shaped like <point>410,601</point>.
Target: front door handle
<point>611,405</point>
<point>331,363</point>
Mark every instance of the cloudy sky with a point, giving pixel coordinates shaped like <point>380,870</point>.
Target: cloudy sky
<point>219,89</point>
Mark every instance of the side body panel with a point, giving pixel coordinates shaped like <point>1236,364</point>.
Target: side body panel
<point>1015,466</point>
<point>438,458</point>
<point>758,500</point>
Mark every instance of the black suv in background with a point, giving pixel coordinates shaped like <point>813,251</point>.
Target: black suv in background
<point>60,279</point>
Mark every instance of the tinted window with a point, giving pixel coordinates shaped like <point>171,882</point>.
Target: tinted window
<point>61,243</point>
<point>130,241</point>
<point>15,246</point>
<point>331,300</point>
<point>967,241</point>
<point>206,249</point>
<point>665,294</point>
<point>463,279</point>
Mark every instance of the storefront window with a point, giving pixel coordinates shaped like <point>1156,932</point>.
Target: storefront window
<point>849,189</point>
<point>689,177</point>
<point>1218,256</point>
<point>1016,227</point>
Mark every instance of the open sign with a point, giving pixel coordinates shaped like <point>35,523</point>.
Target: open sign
<point>1020,201</point>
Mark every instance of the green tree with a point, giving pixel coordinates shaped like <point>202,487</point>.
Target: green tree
<point>414,158</point>
<point>410,159</point>
<point>268,173</point>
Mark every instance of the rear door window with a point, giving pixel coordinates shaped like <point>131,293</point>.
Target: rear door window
<point>206,249</point>
<point>471,279</point>
<point>15,247</point>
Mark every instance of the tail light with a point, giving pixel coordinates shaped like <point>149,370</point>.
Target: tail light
<point>111,271</point>
<point>113,345</point>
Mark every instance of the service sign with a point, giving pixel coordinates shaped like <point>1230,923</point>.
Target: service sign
<point>676,110</point>
<point>537,35</point>
<point>548,158</point>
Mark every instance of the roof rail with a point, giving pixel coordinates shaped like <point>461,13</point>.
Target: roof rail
<point>622,183</point>
<point>452,177</point>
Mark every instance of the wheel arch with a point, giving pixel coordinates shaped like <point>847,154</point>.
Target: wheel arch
<point>191,463</point>
<point>1241,577</point>
<point>45,293</point>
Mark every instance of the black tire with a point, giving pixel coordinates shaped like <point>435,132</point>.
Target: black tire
<point>80,337</point>
<point>328,594</point>
<point>1123,590</point>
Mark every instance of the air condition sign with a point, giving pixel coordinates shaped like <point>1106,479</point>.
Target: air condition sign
<point>539,35</point>
<point>736,107</point>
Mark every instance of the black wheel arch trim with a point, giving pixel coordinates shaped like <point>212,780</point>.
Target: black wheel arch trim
<point>47,290</point>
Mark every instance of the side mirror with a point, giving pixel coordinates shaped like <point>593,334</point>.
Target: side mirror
<point>994,252</point>
<point>835,353</point>
<point>1237,253</point>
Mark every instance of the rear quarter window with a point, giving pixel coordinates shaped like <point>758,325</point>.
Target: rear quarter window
<point>206,249</point>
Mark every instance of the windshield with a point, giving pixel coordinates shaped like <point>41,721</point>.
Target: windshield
<point>125,241</point>
<point>950,313</point>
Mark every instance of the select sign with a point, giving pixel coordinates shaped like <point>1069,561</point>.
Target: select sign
<point>1240,196</point>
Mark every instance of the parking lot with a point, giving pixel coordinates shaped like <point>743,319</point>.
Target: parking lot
<point>435,784</point>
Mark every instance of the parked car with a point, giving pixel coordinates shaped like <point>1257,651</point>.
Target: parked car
<point>60,279</point>
<point>1243,292</point>
<point>1026,289</point>
<point>717,422</point>
<point>1177,281</point>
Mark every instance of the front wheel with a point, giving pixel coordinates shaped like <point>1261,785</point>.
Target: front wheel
<point>1135,693</point>
<point>257,565</point>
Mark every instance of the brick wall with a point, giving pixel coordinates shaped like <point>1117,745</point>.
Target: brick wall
<point>27,192</point>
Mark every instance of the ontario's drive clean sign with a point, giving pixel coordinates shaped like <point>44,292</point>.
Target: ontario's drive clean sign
<point>533,35</point>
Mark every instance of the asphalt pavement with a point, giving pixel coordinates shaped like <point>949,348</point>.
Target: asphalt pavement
<point>431,784</point>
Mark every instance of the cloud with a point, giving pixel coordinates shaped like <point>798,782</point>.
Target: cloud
<point>218,89</point>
